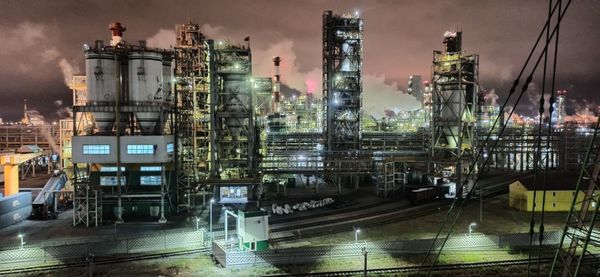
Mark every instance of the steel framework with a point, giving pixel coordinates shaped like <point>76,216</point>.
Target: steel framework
<point>342,81</point>
<point>192,88</point>
<point>578,233</point>
<point>232,135</point>
<point>455,86</point>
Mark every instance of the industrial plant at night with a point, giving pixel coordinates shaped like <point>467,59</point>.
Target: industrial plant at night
<point>217,151</point>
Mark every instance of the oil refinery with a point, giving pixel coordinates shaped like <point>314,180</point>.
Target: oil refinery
<point>189,159</point>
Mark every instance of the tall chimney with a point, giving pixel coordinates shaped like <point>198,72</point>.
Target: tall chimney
<point>276,85</point>
<point>116,30</point>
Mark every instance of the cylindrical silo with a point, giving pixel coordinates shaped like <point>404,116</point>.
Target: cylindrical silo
<point>146,87</point>
<point>102,86</point>
<point>451,113</point>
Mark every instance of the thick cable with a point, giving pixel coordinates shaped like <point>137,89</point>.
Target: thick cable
<point>537,153</point>
<point>550,111</point>
<point>524,88</point>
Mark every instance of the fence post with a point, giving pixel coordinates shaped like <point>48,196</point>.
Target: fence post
<point>165,233</point>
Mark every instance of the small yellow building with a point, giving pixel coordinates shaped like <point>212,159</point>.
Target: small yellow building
<point>558,197</point>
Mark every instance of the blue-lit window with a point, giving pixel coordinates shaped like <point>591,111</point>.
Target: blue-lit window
<point>96,149</point>
<point>150,180</point>
<point>151,168</point>
<point>140,149</point>
<point>111,180</point>
<point>170,148</point>
<point>111,169</point>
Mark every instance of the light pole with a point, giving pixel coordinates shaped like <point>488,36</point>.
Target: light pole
<point>22,242</point>
<point>212,200</point>
<point>471,226</point>
<point>356,231</point>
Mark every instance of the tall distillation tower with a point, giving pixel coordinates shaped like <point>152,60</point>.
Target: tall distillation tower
<point>455,88</point>
<point>342,81</point>
<point>233,136</point>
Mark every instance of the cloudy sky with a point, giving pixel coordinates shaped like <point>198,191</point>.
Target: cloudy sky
<point>41,42</point>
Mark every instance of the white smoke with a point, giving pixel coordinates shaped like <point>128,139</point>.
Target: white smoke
<point>289,68</point>
<point>377,95</point>
<point>37,119</point>
<point>533,95</point>
<point>162,39</point>
<point>35,42</point>
<point>68,70</point>
<point>63,111</point>
<point>492,98</point>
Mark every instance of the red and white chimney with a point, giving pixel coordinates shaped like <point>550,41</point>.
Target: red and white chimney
<point>116,30</point>
<point>276,85</point>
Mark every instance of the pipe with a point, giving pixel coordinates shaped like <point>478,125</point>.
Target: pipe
<point>118,133</point>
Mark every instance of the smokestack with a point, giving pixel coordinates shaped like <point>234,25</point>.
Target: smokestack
<point>276,85</point>
<point>116,30</point>
<point>453,41</point>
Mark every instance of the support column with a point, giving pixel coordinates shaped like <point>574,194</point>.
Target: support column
<point>11,180</point>
<point>162,195</point>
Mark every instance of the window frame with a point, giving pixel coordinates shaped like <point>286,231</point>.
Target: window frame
<point>95,149</point>
<point>140,149</point>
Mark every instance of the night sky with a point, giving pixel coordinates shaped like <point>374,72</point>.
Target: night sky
<point>41,42</point>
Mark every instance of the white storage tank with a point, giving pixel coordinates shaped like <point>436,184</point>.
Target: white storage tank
<point>146,86</point>
<point>102,86</point>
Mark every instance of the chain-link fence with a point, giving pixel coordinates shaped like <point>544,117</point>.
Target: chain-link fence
<point>159,241</point>
<point>232,257</point>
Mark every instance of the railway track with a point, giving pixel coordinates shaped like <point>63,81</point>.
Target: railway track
<point>379,217</point>
<point>442,267</point>
<point>102,261</point>
<point>319,227</point>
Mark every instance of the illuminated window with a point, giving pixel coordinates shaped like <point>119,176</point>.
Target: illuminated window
<point>111,169</point>
<point>140,149</point>
<point>150,180</point>
<point>111,180</point>
<point>96,149</point>
<point>170,148</point>
<point>151,168</point>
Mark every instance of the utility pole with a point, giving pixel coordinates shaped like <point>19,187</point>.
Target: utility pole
<point>365,253</point>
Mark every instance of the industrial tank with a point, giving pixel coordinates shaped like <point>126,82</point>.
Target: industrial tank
<point>453,111</point>
<point>102,86</point>
<point>167,81</point>
<point>146,87</point>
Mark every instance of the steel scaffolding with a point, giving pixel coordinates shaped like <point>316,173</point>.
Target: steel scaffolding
<point>192,89</point>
